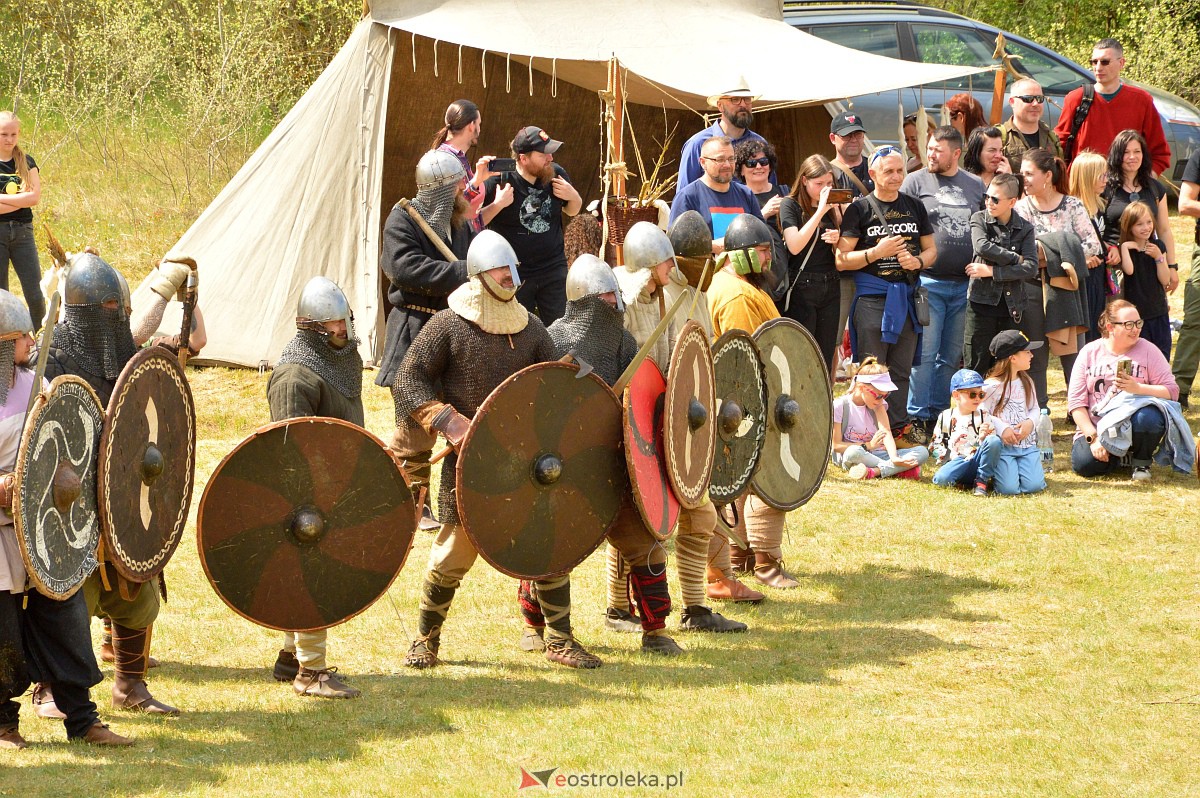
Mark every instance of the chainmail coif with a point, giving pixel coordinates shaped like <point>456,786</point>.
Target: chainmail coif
<point>98,338</point>
<point>437,206</point>
<point>341,368</point>
<point>8,373</point>
<point>596,332</point>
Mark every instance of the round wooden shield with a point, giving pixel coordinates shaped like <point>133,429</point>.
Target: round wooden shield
<point>305,524</point>
<point>690,435</point>
<point>54,507</point>
<point>741,422</point>
<point>652,493</point>
<point>147,464</point>
<point>799,416</point>
<point>540,472</point>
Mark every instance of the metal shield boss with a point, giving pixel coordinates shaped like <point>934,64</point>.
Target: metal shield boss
<point>741,422</point>
<point>799,416</point>
<point>305,524</point>
<point>147,464</point>
<point>54,507</point>
<point>690,431</point>
<point>541,474</point>
<point>644,453</point>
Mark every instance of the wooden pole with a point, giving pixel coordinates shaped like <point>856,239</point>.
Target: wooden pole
<point>616,144</point>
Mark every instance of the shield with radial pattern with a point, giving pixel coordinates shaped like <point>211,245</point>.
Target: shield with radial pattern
<point>689,432</point>
<point>644,455</point>
<point>305,524</point>
<point>54,504</point>
<point>147,464</point>
<point>799,416</point>
<point>741,422</point>
<point>540,472</point>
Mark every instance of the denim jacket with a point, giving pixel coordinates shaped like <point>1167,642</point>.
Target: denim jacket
<point>1011,250</point>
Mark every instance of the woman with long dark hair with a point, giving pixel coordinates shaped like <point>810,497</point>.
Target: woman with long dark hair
<point>1131,180</point>
<point>984,154</point>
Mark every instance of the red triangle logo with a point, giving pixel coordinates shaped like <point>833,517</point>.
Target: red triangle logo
<point>528,780</point>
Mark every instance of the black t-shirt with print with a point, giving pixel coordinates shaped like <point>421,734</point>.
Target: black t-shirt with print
<point>532,224</point>
<point>10,183</point>
<point>905,216</point>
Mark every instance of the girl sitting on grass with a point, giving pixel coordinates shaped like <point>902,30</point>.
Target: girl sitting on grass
<point>862,438</point>
<point>964,437</point>
<point>1010,396</point>
<point>1146,275</point>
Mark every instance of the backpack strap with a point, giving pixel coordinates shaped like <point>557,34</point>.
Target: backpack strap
<point>1081,112</point>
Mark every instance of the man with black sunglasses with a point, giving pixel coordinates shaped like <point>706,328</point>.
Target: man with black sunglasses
<point>1113,106</point>
<point>1025,130</point>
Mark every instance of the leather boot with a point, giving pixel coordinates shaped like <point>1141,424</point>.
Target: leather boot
<point>423,653</point>
<point>741,559</point>
<point>769,571</point>
<point>106,647</point>
<point>702,619</point>
<point>621,621</point>
<point>567,651</point>
<point>100,734</point>
<point>726,588</point>
<point>11,739</point>
<point>129,691</point>
<point>660,643</point>
<point>43,703</point>
<point>286,666</point>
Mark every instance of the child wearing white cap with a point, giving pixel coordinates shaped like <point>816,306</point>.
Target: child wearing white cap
<point>862,438</point>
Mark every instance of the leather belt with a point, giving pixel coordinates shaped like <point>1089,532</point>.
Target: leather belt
<point>430,311</point>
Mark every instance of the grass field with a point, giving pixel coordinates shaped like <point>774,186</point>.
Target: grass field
<point>940,645</point>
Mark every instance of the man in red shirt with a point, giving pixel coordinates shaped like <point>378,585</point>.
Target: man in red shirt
<point>1116,106</point>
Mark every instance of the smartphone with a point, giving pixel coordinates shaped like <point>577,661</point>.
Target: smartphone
<point>840,196</point>
<point>503,164</point>
<point>1124,366</point>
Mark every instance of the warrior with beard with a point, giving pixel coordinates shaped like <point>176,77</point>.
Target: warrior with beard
<point>40,638</point>
<point>419,280</point>
<point>594,329</point>
<point>736,107</point>
<point>319,373</point>
<point>649,282</point>
<point>456,362</point>
<point>94,342</point>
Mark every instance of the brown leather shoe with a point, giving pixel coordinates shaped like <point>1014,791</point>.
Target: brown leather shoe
<point>11,739</point>
<point>43,703</point>
<point>659,643</point>
<point>286,666</point>
<point>769,571</point>
<point>533,639</point>
<point>132,695</point>
<point>730,589</point>
<point>322,684</point>
<point>422,653</point>
<point>100,734</point>
<point>741,559</point>
<point>567,651</point>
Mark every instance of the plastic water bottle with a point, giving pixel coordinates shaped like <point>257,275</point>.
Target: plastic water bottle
<point>1045,439</point>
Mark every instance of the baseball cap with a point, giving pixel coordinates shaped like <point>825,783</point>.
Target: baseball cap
<point>1008,342</point>
<point>846,123</point>
<point>965,378</point>
<point>534,139</point>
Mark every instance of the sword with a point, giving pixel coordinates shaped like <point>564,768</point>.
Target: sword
<point>43,352</point>
<point>424,225</point>
<point>623,380</point>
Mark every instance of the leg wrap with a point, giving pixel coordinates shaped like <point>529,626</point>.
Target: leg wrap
<point>554,597</point>
<point>652,596</point>
<point>436,595</point>
<point>618,580</point>
<point>531,611</point>
<point>691,557</point>
<point>130,647</point>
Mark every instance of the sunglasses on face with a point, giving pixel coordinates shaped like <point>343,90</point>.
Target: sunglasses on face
<point>763,161</point>
<point>974,394</point>
<point>1130,325</point>
<point>877,394</point>
<point>1032,98</point>
<point>992,199</point>
<point>1100,61</point>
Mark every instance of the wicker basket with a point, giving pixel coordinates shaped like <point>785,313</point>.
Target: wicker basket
<point>621,217</point>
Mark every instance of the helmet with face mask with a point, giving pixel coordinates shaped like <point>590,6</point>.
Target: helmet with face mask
<point>489,250</point>
<point>322,301</point>
<point>590,276</point>
<point>98,338</point>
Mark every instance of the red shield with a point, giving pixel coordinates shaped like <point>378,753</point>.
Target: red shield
<point>652,494</point>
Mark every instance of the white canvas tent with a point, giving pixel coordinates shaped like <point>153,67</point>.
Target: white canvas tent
<point>312,199</point>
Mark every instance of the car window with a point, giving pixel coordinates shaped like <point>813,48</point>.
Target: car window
<point>944,44</point>
<point>877,38</point>
<point>1055,76</point>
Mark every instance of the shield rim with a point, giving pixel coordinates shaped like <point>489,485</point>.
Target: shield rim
<point>723,341</point>
<point>39,407</point>
<point>627,434</point>
<point>458,486</point>
<point>262,431</point>
<point>763,329</point>
<point>691,329</point>
<point>103,472</point>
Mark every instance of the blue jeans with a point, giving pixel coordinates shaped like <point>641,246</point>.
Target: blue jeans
<point>941,348</point>
<point>979,467</point>
<point>878,459</point>
<point>1019,470</point>
<point>17,246</point>
<point>1149,426</point>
